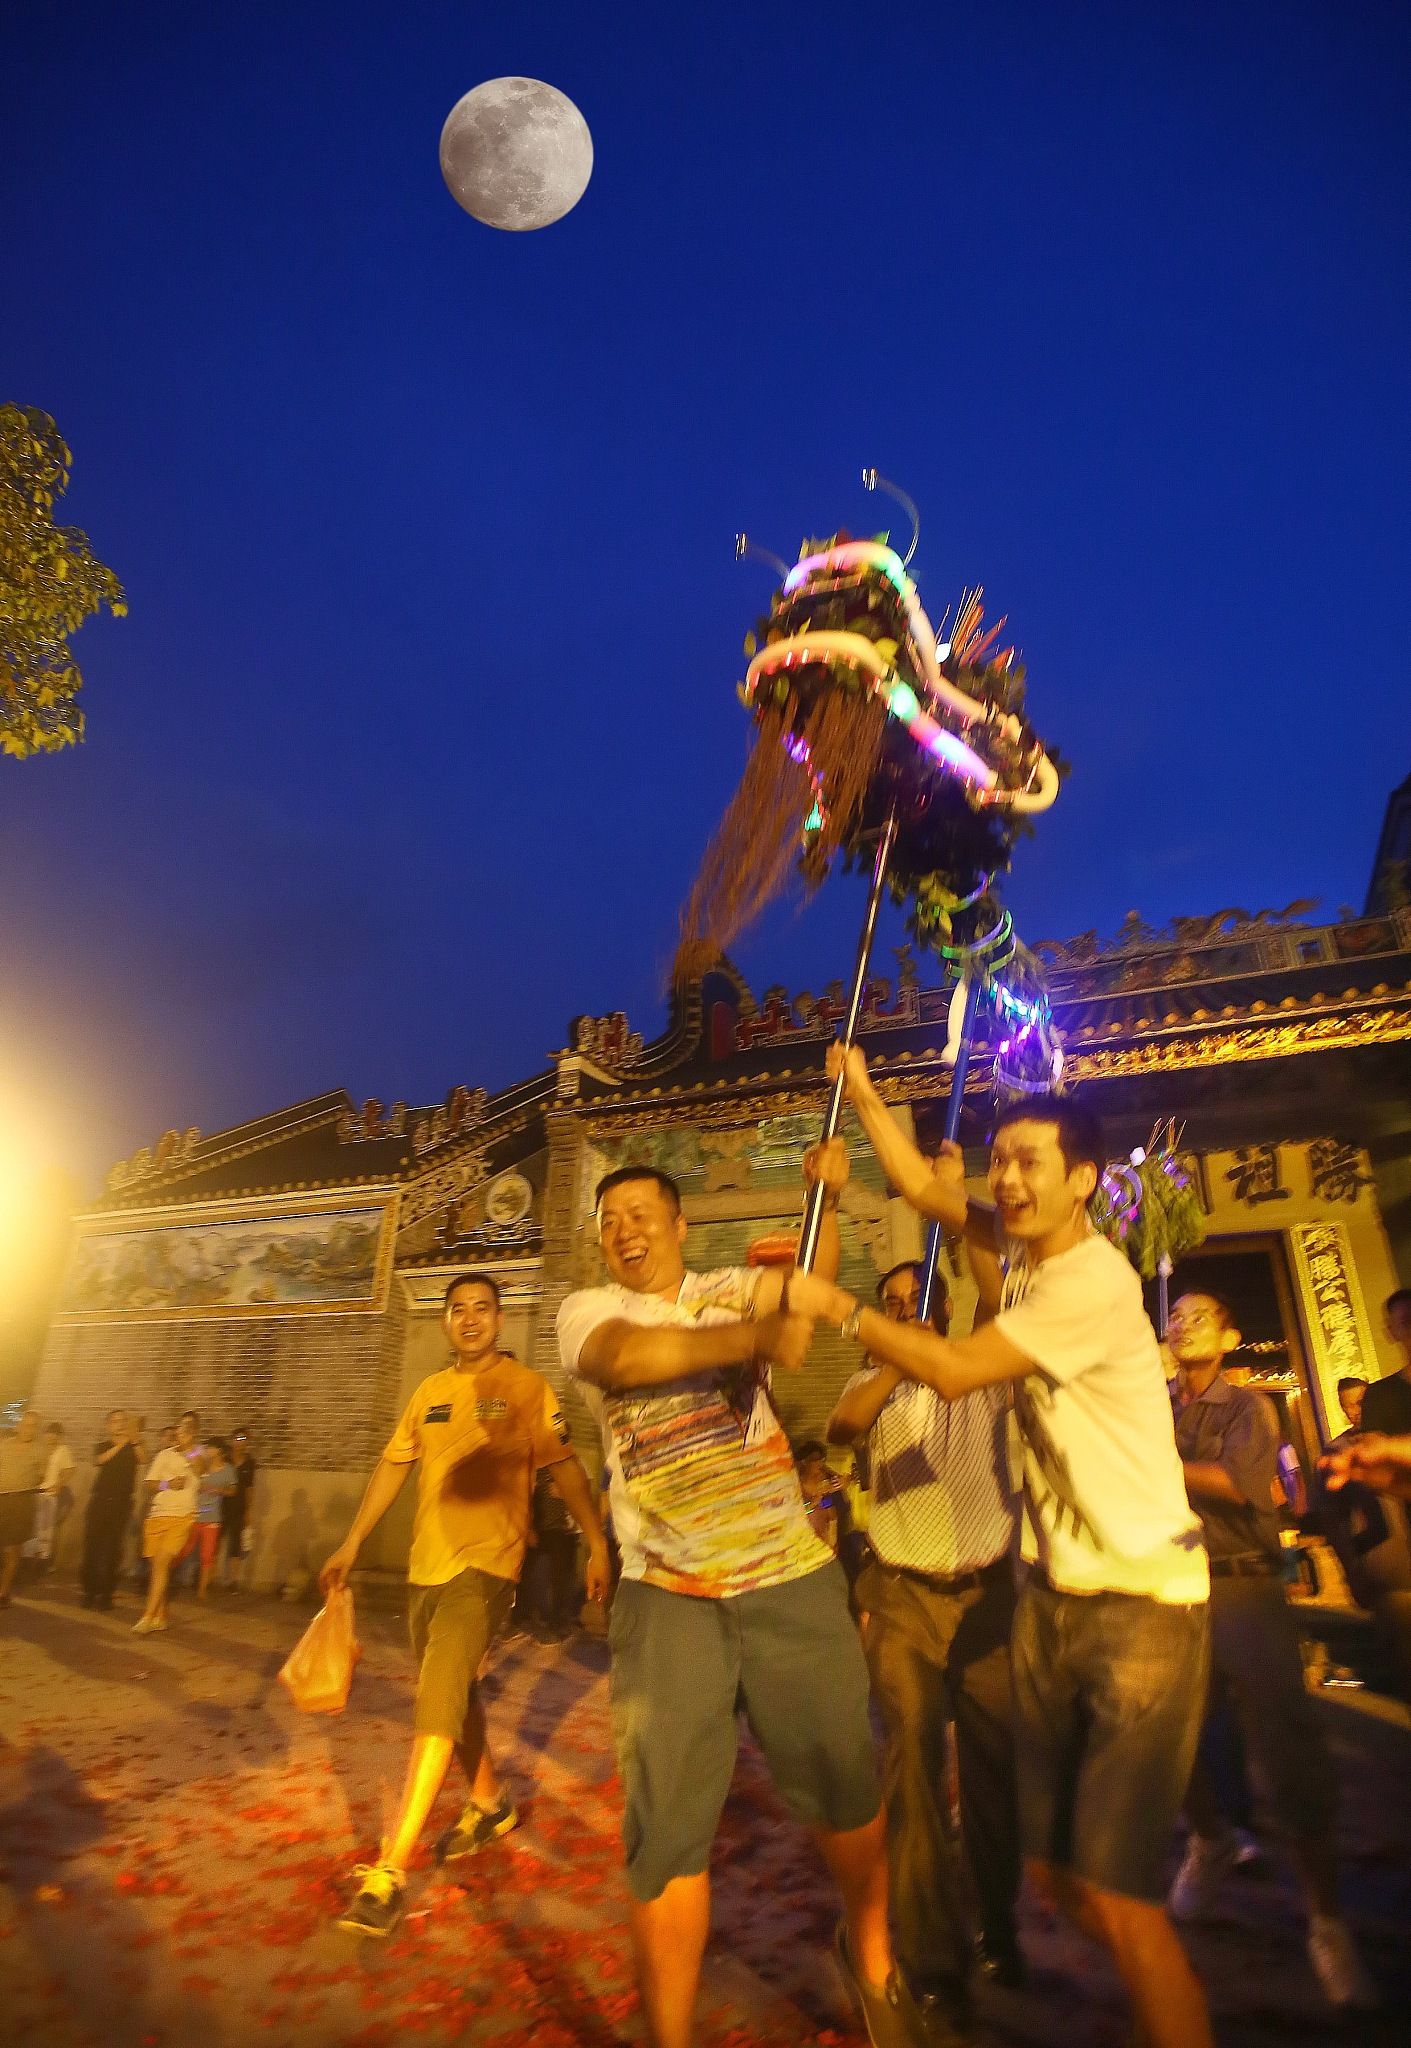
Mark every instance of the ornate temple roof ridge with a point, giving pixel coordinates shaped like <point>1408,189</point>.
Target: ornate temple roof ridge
<point>177,1156</point>
<point>1244,985</point>
<point>326,1141</point>
<point>1218,973</point>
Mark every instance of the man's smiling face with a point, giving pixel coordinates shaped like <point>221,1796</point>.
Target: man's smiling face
<point>1034,1189</point>
<point>473,1322</point>
<point>641,1232</point>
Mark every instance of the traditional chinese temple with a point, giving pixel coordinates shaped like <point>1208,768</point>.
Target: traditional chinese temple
<point>287,1275</point>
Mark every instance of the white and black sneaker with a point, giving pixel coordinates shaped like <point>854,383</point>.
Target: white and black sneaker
<point>477,1826</point>
<point>378,1906</point>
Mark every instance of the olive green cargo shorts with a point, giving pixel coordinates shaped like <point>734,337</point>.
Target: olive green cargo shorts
<point>452,1626</point>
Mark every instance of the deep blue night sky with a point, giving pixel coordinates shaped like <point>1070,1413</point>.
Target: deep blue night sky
<point>424,711</point>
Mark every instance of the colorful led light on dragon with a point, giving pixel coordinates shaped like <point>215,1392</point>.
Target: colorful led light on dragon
<point>851,554</point>
<point>903,703</point>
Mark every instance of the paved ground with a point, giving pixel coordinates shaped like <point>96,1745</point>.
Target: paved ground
<point>175,1840</point>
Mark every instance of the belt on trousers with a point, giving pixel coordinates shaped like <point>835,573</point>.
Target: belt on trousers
<point>960,1582</point>
<point>1246,1564</point>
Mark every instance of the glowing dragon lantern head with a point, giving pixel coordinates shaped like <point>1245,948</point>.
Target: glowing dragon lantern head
<point>862,709</point>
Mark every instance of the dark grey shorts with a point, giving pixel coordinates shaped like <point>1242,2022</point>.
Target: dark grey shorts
<point>1109,1696</point>
<point>452,1626</point>
<point>682,1668</point>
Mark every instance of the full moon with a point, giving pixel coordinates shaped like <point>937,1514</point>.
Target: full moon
<point>516,153</point>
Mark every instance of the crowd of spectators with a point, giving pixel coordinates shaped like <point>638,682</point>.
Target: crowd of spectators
<point>157,1506</point>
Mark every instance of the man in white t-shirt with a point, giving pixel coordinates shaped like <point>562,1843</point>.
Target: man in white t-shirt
<point>55,1495</point>
<point>1111,1638</point>
<point>727,1600</point>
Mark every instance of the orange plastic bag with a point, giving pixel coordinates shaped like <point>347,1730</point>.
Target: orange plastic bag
<point>319,1669</point>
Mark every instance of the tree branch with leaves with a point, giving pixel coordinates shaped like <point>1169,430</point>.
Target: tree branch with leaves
<point>50,582</point>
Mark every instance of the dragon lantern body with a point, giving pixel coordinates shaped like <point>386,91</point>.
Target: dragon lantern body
<point>868,718</point>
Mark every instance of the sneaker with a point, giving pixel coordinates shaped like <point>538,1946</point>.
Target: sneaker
<point>892,2017</point>
<point>476,1827</point>
<point>1206,1863</point>
<point>378,1905</point>
<point>1337,1965</point>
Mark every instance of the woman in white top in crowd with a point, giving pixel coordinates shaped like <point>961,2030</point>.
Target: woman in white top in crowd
<point>171,1517</point>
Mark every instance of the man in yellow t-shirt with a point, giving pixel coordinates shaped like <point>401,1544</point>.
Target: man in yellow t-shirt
<point>477,1432</point>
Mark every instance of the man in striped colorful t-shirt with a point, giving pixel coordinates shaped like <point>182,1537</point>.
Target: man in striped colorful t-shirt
<point>727,1596</point>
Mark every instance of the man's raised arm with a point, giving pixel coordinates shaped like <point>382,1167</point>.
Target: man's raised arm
<point>934,1188</point>
<point>936,1191</point>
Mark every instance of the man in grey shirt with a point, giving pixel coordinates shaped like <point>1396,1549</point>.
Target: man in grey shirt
<point>1229,1443</point>
<point>939,1600</point>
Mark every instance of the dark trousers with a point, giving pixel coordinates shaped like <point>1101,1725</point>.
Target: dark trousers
<point>549,1584</point>
<point>1256,1670</point>
<point>232,1537</point>
<point>934,1657</point>
<point>1392,1608</point>
<point>104,1532</point>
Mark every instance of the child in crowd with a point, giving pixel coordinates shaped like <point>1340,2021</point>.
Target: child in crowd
<point>215,1483</point>
<point>821,1489</point>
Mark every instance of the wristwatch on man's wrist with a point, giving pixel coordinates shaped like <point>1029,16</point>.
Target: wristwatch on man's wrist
<point>848,1327</point>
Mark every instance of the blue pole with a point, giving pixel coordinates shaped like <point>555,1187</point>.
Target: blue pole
<point>954,1105</point>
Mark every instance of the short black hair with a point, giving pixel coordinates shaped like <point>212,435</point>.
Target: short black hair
<point>218,1443</point>
<point>1352,1379</point>
<point>1401,1299</point>
<point>189,1415</point>
<point>914,1266</point>
<point>902,1266</point>
<point>1079,1128</point>
<point>621,1174</point>
<point>1227,1316</point>
<point>809,1448</point>
<point>491,1287</point>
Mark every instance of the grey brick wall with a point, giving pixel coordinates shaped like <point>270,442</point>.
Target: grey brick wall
<point>318,1393</point>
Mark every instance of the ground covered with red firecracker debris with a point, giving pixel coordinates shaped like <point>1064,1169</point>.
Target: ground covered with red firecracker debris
<point>176,1841</point>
